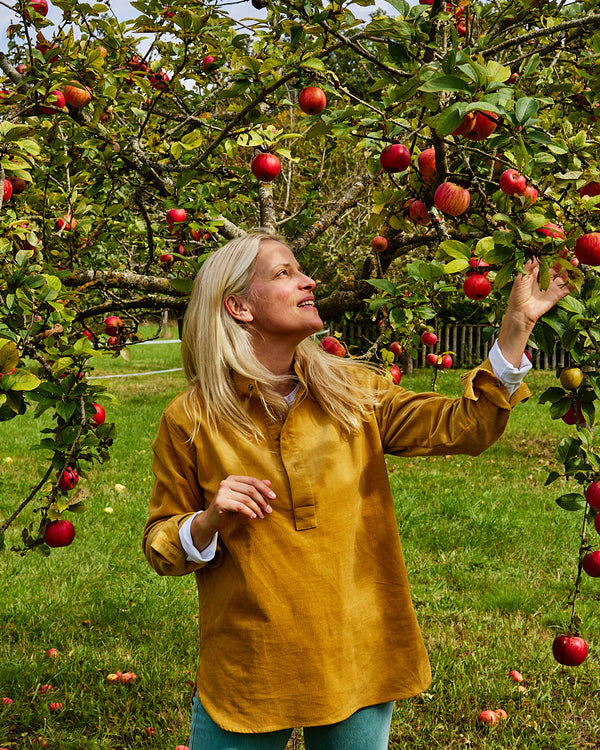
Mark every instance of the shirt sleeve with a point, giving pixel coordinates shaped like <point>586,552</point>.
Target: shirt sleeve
<point>511,377</point>
<point>192,554</point>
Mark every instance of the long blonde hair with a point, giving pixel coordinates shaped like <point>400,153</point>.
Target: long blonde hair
<point>215,345</point>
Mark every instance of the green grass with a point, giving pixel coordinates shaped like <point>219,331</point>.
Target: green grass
<point>491,561</point>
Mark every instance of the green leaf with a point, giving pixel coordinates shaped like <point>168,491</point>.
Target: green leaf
<point>455,249</point>
<point>525,109</point>
<point>571,501</point>
<point>567,448</point>
<point>384,284</point>
<point>21,380</point>
<point>552,477</point>
<point>456,265</point>
<point>184,286</point>
<point>446,83</point>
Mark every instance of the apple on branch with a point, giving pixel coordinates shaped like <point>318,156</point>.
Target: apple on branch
<point>53,102</point>
<point>394,158</point>
<point>379,243</point>
<point>331,345</point>
<point>77,95</point>
<point>451,198</point>
<point>7,190</point>
<point>59,534</point>
<point>417,211</point>
<point>591,563</point>
<point>265,167</point>
<point>569,650</point>
<point>426,164</point>
<point>587,249</point>
<point>312,100</point>
<point>477,286</point>
<point>428,338</point>
<point>512,182</point>
<point>396,348</point>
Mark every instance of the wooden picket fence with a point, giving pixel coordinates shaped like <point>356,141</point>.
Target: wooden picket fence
<point>468,344</point>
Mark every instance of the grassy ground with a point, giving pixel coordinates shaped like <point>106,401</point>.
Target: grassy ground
<point>490,556</point>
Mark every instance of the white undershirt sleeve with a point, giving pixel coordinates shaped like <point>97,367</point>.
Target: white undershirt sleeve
<point>510,376</point>
<point>191,553</point>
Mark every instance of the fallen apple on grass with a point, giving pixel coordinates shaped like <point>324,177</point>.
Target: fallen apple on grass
<point>515,675</point>
<point>488,717</point>
<point>52,653</point>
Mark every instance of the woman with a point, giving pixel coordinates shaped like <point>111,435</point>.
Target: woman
<point>271,486</point>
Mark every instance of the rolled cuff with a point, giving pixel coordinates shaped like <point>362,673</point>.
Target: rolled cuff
<point>191,553</point>
<point>511,377</point>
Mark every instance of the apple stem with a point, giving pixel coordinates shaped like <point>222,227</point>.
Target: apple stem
<point>573,627</point>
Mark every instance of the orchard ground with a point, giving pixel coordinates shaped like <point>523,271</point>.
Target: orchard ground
<point>490,555</point>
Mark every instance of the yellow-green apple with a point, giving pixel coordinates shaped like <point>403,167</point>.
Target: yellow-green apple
<point>587,249</point>
<point>99,416</point>
<point>451,198</point>
<point>417,211</point>
<point>485,124</point>
<point>77,95</point>
<point>477,286</point>
<point>265,167</point>
<point>394,158</point>
<point>591,563</point>
<point>426,163</point>
<point>512,182</point>
<point>58,534</point>
<point>569,649</point>
<point>428,338</point>
<point>592,495</point>
<point>333,346</point>
<point>571,378</point>
<point>68,479</point>
<point>379,243</point>
<point>312,100</point>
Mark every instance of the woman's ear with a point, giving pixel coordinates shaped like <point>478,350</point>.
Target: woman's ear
<point>238,309</point>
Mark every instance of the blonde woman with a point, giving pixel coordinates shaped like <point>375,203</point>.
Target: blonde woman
<point>271,487</point>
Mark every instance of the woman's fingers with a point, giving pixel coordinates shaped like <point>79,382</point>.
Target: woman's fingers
<point>243,494</point>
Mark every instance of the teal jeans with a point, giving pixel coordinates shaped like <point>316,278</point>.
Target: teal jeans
<point>367,729</point>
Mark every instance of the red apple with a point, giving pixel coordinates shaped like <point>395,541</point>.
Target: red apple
<point>512,182</point>
<point>591,189</point>
<point>516,676</point>
<point>68,479</point>
<point>417,211</point>
<point>467,124</point>
<point>428,338</point>
<point>432,360</point>
<point>396,348</point>
<point>451,198</point>
<point>446,362</point>
<point>312,100</point>
<point>55,100</point>
<point>112,325</point>
<point>501,714</point>
<point>159,80</point>
<point>55,705</point>
<point>176,216</point>
<point>209,63</point>
<point>570,650</point>
<point>425,2</point>
<point>552,230</point>
<point>379,243</point>
<point>530,195</point>
<point>488,717</point>
<point>597,522</point>
<point>88,334</point>
<point>396,374</point>
<point>52,653</point>
<point>18,185</point>
<point>587,249</point>
<point>426,162</point>
<point>333,346</point>
<point>7,190</point>
<point>477,286</point>
<point>58,534</point>
<point>570,418</point>
<point>181,747</point>
<point>476,263</point>
<point>394,158</point>
<point>39,6</point>
<point>265,167</point>
<point>485,124</point>
<point>99,416</point>
<point>77,95</point>
<point>592,495</point>
<point>67,223</point>
<point>461,28</point>
<point>591,563</point>
<point>166,258</point>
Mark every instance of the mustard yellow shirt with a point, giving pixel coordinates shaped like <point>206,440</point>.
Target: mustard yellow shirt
<point>305,616</point>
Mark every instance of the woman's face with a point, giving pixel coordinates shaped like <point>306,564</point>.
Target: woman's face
<point>281,301</point>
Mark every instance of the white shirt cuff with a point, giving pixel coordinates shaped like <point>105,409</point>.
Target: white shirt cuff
<point>191,553</point>
<point>511,377</point>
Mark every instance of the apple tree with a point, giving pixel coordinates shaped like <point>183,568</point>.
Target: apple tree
<point>464,134</point>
